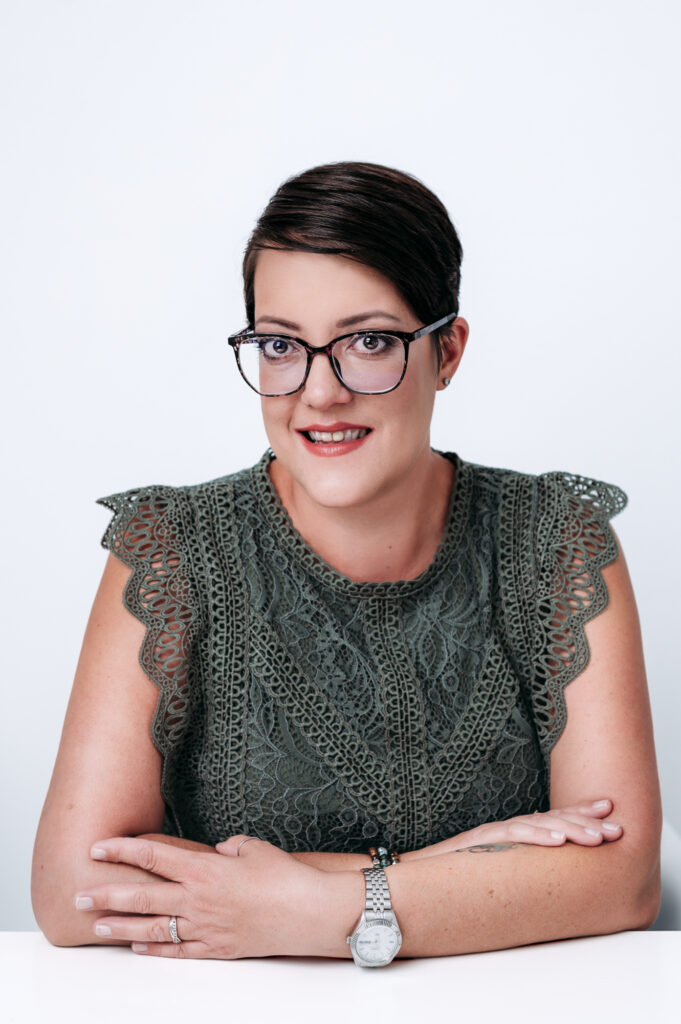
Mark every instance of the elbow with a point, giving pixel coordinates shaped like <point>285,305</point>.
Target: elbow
<point>645,904</point>
<point>53,920</point>
<point>60,925</point>
<point>649,904</point>
<point>55,914</point>
<point>60,937</point>
<point>52,924</point>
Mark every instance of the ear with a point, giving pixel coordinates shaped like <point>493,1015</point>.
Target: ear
<point>453,340</point>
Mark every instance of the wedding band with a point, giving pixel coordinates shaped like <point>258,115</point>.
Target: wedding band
<point>242,843</point>
<point>173,930</point>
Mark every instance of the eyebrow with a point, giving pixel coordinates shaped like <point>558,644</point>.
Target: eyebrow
<point>348,321</point>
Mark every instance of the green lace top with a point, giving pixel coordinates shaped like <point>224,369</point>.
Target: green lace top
<point>320,713</point>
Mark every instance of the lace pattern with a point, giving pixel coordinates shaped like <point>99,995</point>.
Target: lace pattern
<point>146,533</point>
<point>572,542</point>
<point>323,714</point>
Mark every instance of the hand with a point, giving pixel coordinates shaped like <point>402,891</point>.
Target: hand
<point>184,844</point>
<point>568,823</point>
<point>262,902</point>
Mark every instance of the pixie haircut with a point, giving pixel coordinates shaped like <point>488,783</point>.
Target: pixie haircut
<point>376,215</point>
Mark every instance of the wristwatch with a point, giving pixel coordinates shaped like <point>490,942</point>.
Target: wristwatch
<point>377,937</point>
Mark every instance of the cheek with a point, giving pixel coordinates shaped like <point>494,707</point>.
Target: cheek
<point>413,400</point>
<point>276,414</point>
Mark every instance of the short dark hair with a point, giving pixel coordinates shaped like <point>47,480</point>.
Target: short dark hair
<point>381,217</point>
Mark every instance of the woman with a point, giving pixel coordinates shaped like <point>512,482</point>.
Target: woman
<point>358,641</point>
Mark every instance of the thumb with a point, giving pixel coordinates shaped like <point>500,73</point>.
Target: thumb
<point>226,848</point>
<point>230,847</point>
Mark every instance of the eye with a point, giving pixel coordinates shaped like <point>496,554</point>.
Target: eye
<point>276,349</point>
<point>372,344</point>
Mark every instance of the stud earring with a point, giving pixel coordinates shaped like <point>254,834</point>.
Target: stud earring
<point>446,381</point>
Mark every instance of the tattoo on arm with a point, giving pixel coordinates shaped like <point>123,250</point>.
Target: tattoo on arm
<point>489,847</point>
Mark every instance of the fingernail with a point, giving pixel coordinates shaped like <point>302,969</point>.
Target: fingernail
<point>593,831</point>
<point>97,853</point>
<point>139,947</point>
<point>558,835</point>
<point>610,826</point>
<point>102,929</point>
<point>84,903</point>
<point>600,803</point>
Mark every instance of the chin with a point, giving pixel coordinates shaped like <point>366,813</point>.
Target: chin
<point>338,490</point>
<point>344,481</point>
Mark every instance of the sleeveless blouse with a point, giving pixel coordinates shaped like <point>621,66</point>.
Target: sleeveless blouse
<point>320,713</point>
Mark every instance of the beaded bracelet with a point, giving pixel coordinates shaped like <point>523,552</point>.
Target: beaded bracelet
<point>381,858</point>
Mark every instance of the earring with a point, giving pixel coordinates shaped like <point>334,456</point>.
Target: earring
<point>446,381</point>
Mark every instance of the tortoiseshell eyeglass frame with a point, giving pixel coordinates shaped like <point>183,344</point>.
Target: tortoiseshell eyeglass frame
<point>405,337</point>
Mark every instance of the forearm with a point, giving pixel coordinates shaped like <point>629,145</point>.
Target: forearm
<point>54,889</point>
<point>505,895</point>
<point>317,859</point>
<point>356,861</point>
<point>333,862</point>
<point>56,884</point>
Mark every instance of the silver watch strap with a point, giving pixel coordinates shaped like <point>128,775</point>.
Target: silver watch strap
<point>377,890</point>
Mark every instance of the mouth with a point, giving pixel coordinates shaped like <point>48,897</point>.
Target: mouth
<point>335,436</point>
<point>331,439</point>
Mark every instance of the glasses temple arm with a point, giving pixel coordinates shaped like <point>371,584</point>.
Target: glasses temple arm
<point>434,327</point>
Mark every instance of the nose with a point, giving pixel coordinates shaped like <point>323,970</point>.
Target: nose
<point>322,388</point>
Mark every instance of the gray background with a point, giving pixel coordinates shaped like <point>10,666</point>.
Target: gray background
<point>142,140</point>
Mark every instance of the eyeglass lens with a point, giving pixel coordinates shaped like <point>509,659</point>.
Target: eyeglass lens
<point>370,363</point>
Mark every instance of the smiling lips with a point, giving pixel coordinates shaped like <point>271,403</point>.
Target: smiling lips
<point>330,439</point>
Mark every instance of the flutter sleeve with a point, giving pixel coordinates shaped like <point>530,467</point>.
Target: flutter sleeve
<point>148,532</point>
<point>571,542</point>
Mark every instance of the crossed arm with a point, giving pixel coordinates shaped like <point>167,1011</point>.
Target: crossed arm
<point>462,896</point>
<point>487,896</point>
<point>484,896</point>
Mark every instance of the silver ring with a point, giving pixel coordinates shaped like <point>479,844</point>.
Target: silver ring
<point>242,843</point>
<point>173,930</point>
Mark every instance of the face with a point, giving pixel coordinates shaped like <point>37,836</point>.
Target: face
<point>314,292</point>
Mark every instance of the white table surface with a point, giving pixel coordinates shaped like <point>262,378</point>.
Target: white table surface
<point>628,976</point>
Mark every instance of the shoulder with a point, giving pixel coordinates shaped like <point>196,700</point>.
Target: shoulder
<point>134,496</point>
<point>607,496</point>
<point>144,509</point>
<point>545,500</point>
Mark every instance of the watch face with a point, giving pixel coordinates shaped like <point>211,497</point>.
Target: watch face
<point>377,943</point>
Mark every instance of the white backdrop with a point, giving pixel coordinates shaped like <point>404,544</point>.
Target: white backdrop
<point>143,138</point>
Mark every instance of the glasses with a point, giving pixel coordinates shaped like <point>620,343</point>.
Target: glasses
<point>365,362</point>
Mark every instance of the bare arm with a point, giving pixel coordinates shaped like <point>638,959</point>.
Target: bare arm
<point>580,823</point>
<point>562,892</point>
<point>317,859</point>
<point>488,898</point>
<point>106,778</point>
<point>513,894</point>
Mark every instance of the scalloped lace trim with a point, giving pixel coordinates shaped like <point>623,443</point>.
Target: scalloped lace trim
<point>573,541</point>
<point>146,534</point>
<point>319,713</point>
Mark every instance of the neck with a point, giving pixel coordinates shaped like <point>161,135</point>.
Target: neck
<point>393,537</point>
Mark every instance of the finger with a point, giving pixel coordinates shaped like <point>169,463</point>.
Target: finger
<point>158,858</point>
<point>519,831</point>
<point>177,950</point>
<point>585,835</point>
<point>588,810</point>
<point>547,835</point>
<point>595,808</point>
<point>590,825</point>
<point>137,898</point>
<point>236,845</point>
<point>575,832</point>
<point>555,827</point>
<point>142,929</point>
